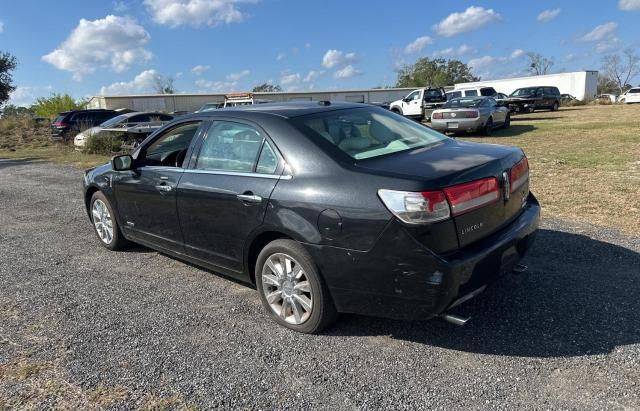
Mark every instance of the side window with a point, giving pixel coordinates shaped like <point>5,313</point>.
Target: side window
<point>142,118</point>
<point>170,148</point>
<point>230,146</point>
<point>487,91</point>
<point>471,93</point>
<point>268,161</point>
<point>413,96</point>
<point>454,94</point>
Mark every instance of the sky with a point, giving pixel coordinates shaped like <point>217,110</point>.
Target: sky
<point>87,48</point>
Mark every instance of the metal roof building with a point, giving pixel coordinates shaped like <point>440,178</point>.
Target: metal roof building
<point>191,102</point>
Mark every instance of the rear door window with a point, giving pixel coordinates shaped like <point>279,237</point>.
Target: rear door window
<point>454,94</point>
<point>487,92</point>
<point>230,146</point>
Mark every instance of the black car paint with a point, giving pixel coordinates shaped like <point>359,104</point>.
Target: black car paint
<point>319,196</point>
<point>542,99</point>
<point>73,125</point>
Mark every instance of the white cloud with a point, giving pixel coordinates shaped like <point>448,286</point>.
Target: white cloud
<point>473,18</point>
<point>347,72</point>
<point>176,13</point>
<point>481,63</point>
<point>307,44</point>
<point>120,6</point>
<point>237,76</point>
<point>548,15</point>
<point>22,96</point>
<point>290,79</point>
<point>455,51</point>
<point>601,32</point>
<point>336,58</point>
<point>629,5</point>
<point>114,42</point>
<point>418,44</point>
<point>313,76</point>
<point>199,69</point>
<point>516,54</point>
<point>216,86</point>
<point>143,82</point>
<point>281,56</point>
<point>605,37</point>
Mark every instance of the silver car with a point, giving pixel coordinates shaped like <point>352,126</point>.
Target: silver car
<point>471,115</point>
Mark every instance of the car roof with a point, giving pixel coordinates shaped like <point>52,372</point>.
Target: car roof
<point>285,109</point>
<point>135,113</point>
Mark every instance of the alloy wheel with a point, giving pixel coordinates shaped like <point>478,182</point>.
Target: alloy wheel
<point>287,289</point>
<point>102,221</point>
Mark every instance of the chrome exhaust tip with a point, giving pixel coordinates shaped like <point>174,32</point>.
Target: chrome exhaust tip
<point>455,319</point>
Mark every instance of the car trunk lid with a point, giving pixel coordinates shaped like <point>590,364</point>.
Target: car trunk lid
<point>454,164</point>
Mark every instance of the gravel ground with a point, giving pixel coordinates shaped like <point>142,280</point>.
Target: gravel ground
<point>82,327</point>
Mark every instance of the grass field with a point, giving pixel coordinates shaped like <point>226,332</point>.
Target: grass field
<point>585,161</point>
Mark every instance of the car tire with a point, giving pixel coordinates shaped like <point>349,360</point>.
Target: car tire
<point>105,224</point>
<point>507,121</point>
<point>397,111</point>
<point>555,106</point>
<point>291,288</point>
<point>488,127</point>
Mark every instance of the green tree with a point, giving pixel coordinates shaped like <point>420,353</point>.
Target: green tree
<point>266,88</point>
<point>8,63</point>
<point>14,111</point>
<point>49,107</point>
<point>435,73</point>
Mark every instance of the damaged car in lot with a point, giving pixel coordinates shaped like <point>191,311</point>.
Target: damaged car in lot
<point>471,115</point>
<point>324,207</point>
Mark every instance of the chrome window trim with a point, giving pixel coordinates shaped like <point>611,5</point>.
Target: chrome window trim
<point>236,173</point>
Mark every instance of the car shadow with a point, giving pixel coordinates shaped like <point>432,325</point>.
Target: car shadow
<point>525,118</point>
<point>513,131</point>
<point>579,297</point>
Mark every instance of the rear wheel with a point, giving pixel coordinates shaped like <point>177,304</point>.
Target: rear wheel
<point>507,121</point>
<point>104,223</point>
<point>291,289</point>
<point>488,127</point>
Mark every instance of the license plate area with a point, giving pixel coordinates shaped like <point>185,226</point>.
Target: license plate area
<point>452,125</point>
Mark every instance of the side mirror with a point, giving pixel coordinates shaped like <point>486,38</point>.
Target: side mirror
<point>122,162</point>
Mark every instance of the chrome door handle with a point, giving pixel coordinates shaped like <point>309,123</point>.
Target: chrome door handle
<point>249,198</point>
<point>164,188</point>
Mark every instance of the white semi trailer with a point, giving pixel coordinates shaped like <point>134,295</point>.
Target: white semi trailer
<point>580,84</point>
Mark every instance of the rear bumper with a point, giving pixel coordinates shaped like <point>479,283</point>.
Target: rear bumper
<point>463,124</point>
<point>400,278</point>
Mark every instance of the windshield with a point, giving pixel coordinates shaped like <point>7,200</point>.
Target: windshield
<point>463,102</point>
<point>114,121</point>
<point>524,91</point>
<point>367,132</point>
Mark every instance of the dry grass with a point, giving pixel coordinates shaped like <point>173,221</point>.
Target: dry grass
<point>585,162</point>
<point>20,139</point>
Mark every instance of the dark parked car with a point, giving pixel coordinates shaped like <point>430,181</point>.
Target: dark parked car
<point>324,207</point>
<point>70,123</point>
<point>529,99</point>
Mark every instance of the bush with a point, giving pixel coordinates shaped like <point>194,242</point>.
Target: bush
<point>101,144</point>
<point>574,103</point>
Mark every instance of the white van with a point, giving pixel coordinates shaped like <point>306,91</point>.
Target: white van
<point>471,92</point>
<point>630,96</point>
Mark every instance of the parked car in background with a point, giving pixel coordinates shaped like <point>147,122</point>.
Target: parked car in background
<point>209,107</point>
<point>419,103</point>
<point>471,115</point>
<point>630,96</point>
<point>567,98</point>
<point>70,123</point>
<point>607,98</point>
<point>139,123</point>
<point>324,207</point>
<point>471,92</point>
<point>530,99</point>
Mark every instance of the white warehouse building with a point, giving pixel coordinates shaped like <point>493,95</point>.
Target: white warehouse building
<point>580,84</point>
<point>191,102</point>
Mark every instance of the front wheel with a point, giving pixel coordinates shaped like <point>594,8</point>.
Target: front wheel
<point>104,223</point>
<point>291,289</point>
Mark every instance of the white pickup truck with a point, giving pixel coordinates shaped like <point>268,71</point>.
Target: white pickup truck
<point>420,103</point>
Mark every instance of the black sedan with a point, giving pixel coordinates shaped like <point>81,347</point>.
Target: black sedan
<point>324,207</point>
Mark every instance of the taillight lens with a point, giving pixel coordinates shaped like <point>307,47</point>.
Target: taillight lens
<point>59,124</point>
<point>470,114</point>
<point>469,196</point>
<point>437,116</point>
<point>416,207</point>
<point>519,174</point>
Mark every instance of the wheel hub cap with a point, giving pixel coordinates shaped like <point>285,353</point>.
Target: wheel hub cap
<point>287,289</point>
<point>102,221</point>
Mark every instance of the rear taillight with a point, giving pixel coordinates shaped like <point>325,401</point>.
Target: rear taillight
<point>416,207</point>
<point>519,174</point>
<point>469,196</point>
<point>59,124</point>
<point>470,114</point>
<point>437,116</point>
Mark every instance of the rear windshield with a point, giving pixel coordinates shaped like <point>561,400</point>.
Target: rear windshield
<point>59,119</point>
<point>367,132</point>
<point>463,102</point>
<point>433,93</point>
